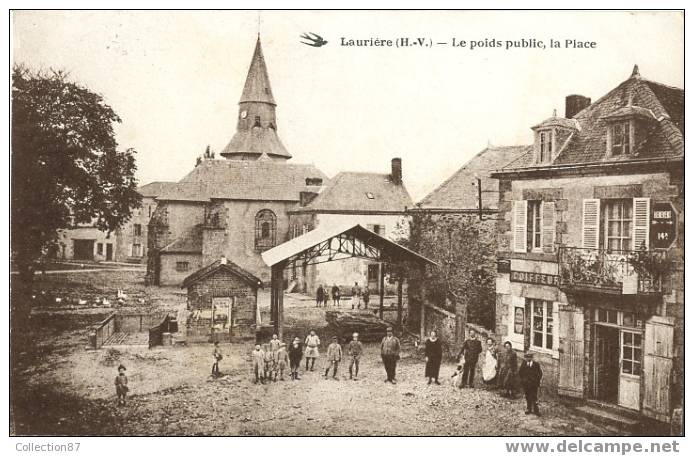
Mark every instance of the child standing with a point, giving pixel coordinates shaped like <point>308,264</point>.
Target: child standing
<point>312,343</point>
<point>258,358</point>
<point>269,359</point>
<point>275,343</point>
<point>354,350</point>
<point>281,361</point>
<point>121,385</point>
<point>334,356</point>
<point>216,358</point>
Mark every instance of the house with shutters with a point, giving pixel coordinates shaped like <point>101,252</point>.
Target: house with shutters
<point>377,201</point>
<point>590,249</point>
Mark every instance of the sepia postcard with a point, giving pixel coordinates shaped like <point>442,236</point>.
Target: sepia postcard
<point>347,223</point>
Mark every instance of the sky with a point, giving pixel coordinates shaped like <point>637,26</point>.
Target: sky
<point>175,78</point>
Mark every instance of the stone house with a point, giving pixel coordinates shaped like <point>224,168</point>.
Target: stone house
<point>85,242</point>
<point>131,238</point>
<point>437,221</point>
<point>590,245</point>
<point>237,206</point>
<point>377,201</point>
<point>222,303</point>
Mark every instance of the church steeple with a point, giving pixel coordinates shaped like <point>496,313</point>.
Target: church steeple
<point>256,128</point>
<point>257,87</point>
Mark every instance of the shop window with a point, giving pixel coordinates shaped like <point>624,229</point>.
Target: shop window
<point>182,266</point>
<point>542,324</point>
<point>631,353</point>
<point>607,316</point>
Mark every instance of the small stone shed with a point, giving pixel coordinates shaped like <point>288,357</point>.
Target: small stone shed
<point>222,303</point>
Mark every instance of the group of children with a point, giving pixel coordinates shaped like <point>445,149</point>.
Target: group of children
<point>270,360</point>
<point>273,357</point>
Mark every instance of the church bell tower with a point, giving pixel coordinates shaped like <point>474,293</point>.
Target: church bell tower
<point>256,127</point>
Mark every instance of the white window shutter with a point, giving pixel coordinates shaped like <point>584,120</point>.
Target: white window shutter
<point>642,210</point>
<point>548,226</point>
<point>520,226</point>
<point>591,223</point>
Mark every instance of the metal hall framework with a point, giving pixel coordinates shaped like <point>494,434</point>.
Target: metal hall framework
<point>323,245</point>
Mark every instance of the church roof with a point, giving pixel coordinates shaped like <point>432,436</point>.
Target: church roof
<point>257,87</point>
<point>154,189</point>
<point>361,192</point>
<point>244,180</point>
<point>256,141</point>
<point>460,192</point>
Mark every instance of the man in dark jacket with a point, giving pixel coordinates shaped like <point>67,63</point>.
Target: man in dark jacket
<point>390,354</point>
<point>470,353</point>
<point>296,351</point>
<point>530,375</point>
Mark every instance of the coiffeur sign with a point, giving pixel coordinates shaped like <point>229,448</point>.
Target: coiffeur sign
<point>535,278</point>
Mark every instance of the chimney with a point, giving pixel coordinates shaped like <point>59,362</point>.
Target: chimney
<point>396,171</point>
<point>575,104</point>
<point>223,260</point>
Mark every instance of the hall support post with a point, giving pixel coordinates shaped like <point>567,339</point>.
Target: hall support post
<point>422,306</point>
<point>381,289</point>
<point>277,298</point>
<point>399,300</point>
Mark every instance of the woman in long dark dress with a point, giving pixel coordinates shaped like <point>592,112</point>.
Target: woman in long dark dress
<point>433,352</point>
<point>508,370</point>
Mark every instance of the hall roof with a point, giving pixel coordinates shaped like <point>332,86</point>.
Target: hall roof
<point>387,250</point>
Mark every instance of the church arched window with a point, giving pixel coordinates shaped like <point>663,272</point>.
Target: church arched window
<point>265,229</point>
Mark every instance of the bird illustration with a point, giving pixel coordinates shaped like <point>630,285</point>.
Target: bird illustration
<point>315,40</point>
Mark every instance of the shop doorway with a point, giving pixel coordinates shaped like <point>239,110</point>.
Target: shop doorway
<point>606,363</point>
<point>618,358</point>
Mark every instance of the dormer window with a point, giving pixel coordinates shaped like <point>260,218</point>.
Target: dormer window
<point>620,138</point>
<point>545,147</point>
<point>257,121</point>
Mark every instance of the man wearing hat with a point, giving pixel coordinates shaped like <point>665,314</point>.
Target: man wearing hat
<point>333,357</point>
<point>390,353</point>
<point>530,375</point>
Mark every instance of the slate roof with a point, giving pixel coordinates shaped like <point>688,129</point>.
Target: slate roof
<point>154,189</point>
<point>256,141</point>
<point>349,191</point>
<point>458,191</point>
<point>257,87</point>
<point>661,105</point>
<point>217,266</point>
<point>244,180</point>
